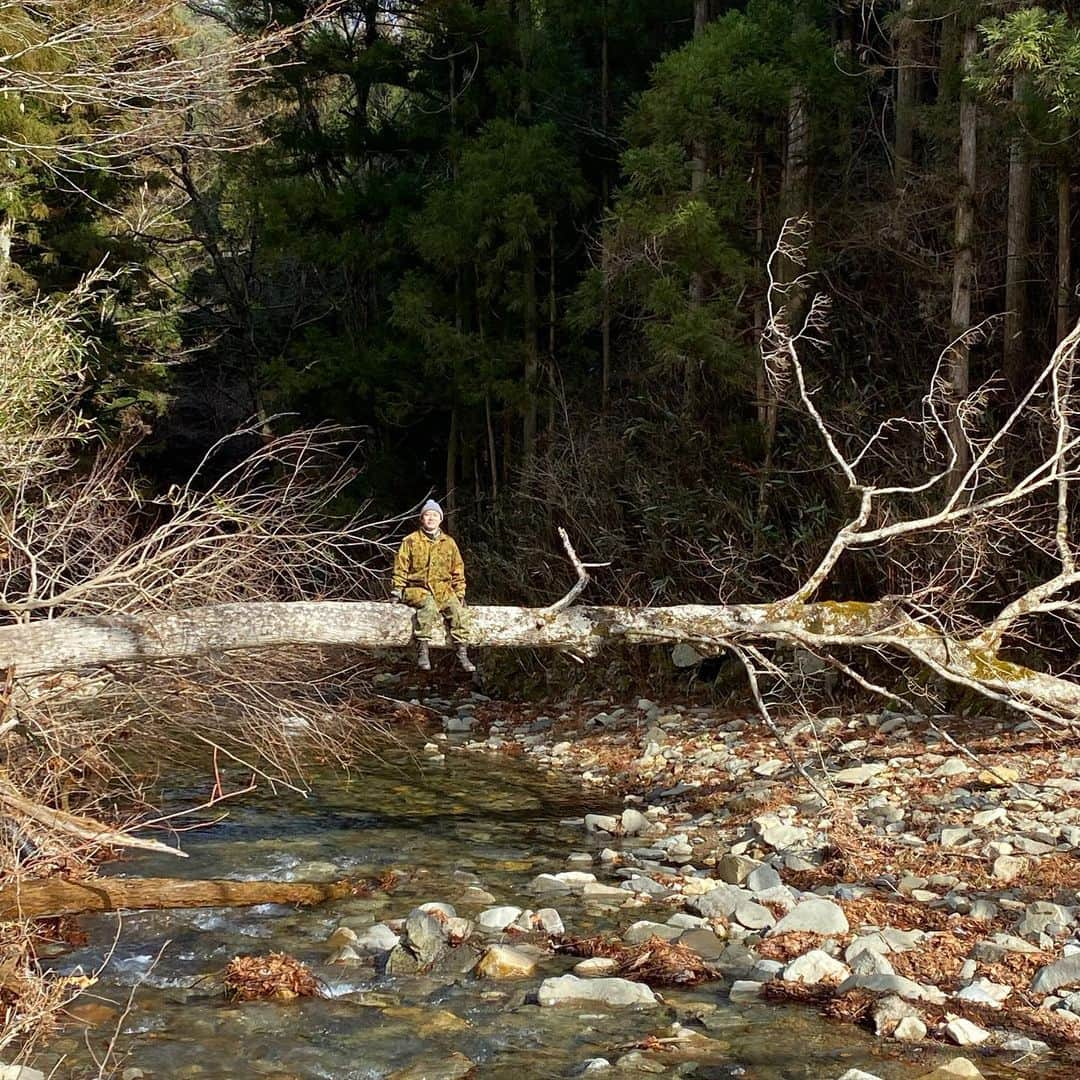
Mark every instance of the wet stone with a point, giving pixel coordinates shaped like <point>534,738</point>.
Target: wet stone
<point>568,989</point>
<point>703,942</point>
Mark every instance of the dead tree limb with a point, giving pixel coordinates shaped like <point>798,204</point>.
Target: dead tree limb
<point>40,899</point>
<point>72,644</point>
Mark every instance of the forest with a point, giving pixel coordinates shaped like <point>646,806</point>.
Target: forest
<point>763,312</point>
<point>520,250</point>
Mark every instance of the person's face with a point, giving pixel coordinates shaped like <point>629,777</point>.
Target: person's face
<point>430,520</point>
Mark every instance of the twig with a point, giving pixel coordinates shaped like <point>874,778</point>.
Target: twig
<point>582,575</point>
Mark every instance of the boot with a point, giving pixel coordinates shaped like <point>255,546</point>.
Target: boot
<point>423,661</point>
<point>463,659</point>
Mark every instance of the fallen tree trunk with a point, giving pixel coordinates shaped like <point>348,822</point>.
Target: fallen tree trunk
<point>54,896</point>
<point>70,644</point>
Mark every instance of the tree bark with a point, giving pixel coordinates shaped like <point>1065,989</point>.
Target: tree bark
<point>1064,252</point>
<point>49,646</point>
<point>699,159</point>
<point>907,31</point>
<point>532,357</point>
<point>55,896</point>
<point>963,263</point>
<point>605,195</point>
<point>1016,263</point>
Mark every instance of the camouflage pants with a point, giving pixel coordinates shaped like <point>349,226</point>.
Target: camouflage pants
<point>429,613</point>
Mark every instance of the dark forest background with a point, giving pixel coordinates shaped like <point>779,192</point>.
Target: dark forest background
<point>521,247</point>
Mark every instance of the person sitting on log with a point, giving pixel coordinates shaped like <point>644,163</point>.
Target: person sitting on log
<point>429,575</point>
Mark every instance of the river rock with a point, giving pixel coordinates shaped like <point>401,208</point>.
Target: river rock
<point>735,869</point>
<point>597,890</point>
<point>633,822</point>
<point>607,823</point>
<point>957,1069</point>
<point>1008,868</point>
<point>596,966</point>
<point>637,1062</point>
<point>498,918</point>
<point>452,1066</point>
<point>965,1033</point>
<point>783,837</point>
<point>1064,972</point>
<point>568,989</point>
<point>592,1065</point>
<point>720,903</point>
<point>425,935</point>
<point>763,878</point>
<point>745,990</point>
<point>889,1011</point>
<point>814,967</point>
<point>867,962</point>
<point>859,1074</point>
<point>705,943</point>
<point>910,1029</point>
<point>20,1072</point>
<point>860,774</point>
<point>814,915</point>
<point>375,939</point>
<point>984,992</point>
<point>504,962</point>
<point>400,961</point>
<point>754,916</point>
<point>641,931</point>
<point>433,906</point>
<point>550,921</point>
<point>893,984</point>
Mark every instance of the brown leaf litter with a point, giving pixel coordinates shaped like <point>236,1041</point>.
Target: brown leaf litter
<point>656,961</point>
<point>277,977</point>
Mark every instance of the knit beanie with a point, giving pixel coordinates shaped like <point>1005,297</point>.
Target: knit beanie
<point>431,504</point>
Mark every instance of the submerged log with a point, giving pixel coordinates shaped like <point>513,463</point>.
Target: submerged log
<point>54,896</point>
<point>71,644</point>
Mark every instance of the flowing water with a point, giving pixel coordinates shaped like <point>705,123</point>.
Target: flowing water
<point>445,826</point>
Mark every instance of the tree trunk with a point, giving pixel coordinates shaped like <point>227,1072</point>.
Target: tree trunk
<point>7,228</point>
<point>907,83</point>
<point>605,250</point>
<point>1016,264</point>
<point>55,896</point>
<point>699,159</point>
<point>1064,252</point>
<point>451,466</point>
<point>963,263</point>
<point>49,646</point>
<point>532,357</point>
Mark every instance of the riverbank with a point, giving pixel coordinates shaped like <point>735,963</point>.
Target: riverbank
<point>914,875</point>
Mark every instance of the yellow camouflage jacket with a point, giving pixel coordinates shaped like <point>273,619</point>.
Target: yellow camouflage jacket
<point>434,565</point>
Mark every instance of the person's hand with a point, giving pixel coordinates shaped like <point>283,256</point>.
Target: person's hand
<point>397,595</point>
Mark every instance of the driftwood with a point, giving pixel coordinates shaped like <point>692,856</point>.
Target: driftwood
<point>72,644</point>
<point>54,896</point>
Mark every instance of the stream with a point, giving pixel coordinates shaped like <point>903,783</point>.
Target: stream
<point>445,826</point>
